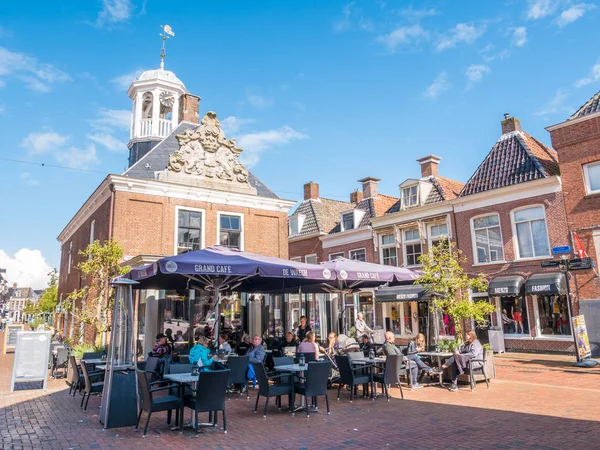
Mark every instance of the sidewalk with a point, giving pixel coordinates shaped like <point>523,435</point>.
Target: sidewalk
<point>525,408</point>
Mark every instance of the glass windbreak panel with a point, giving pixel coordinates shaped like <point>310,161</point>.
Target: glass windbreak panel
<point>365,305</point>
<point>554,315</point>
<point>315,315</point>
<point>294,312</point>
<point>594,176</point>
<point>514,315</point>
<point>275,318</point>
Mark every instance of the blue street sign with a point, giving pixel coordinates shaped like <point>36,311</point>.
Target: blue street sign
<point>561,250</point>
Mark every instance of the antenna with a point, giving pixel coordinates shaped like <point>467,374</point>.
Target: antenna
<point>167,32</point>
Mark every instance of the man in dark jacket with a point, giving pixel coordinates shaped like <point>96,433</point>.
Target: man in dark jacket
<point>389,348</point>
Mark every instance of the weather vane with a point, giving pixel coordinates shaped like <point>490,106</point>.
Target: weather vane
<point>167,32</point>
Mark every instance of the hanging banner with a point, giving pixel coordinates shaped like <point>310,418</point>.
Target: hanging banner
<point>581,337</point>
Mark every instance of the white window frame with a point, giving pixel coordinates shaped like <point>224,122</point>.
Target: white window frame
<point>586,176</point>
<point>92,230</point>
<point>243,227</point>
<point>516,239</point>
<point>474,240</point>
<point>296,259</point>
<point>357,250</point>
<point>406,188</point>
<point>383,246</point>
<point>70,257</point>
<point>299,218</point>
<point>331,256</point>
<point>430,238</point>
<point>311,256</point>
<point>202,225</point>
<point>405,243</point>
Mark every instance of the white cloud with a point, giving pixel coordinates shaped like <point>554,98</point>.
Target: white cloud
<point>45,141</point>
<point>555,105</point>
<point>418,13</point>
<point>573,13</point>
<point>539,9</point>
<point>111,119</point>
<point>76,157</point>
<point>459,34</point>
<point>259,101</point>
<point>122,82</point>
<point>234,124</point>
<point>475,72</point>
<point>114,11</point>
<point>28,180</point>
<point>111,143</point>
<point>344,23</point>
<point>519,36</point>
<point>254,144</point>
<point>27,268</point>
<point>439,85</point>
<point>592,78</point>
<point>403,36</point>
<point>37,76</point>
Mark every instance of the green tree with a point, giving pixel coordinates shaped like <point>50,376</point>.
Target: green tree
<point>93,302</point>
<point>444,278</point>
<point>43,309</point>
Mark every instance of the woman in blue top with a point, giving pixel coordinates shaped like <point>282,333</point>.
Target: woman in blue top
<point>200,352</point>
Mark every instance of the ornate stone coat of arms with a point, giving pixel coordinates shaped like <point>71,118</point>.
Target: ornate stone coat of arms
<point>208,156</point>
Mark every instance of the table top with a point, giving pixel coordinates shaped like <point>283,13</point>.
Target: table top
<point>292,367</point>
<point>115,367</point>
<point>441,354</point>
<point>369,360</point>
<point>94,361</point>
<point>181,377</point>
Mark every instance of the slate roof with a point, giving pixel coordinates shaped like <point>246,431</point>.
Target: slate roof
<point>443,189</point>
<point>320,215</point>
<point>590,107</point>
<point>373,207</point>
<point>516,158</point>
<point>158,159</point>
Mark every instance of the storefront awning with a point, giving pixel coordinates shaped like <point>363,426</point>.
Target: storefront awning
<point>506,285</point>
<point>546,284</point>
<point>407,293</point>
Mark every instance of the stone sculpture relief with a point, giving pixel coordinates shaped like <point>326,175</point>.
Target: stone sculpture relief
<point>207,152</point>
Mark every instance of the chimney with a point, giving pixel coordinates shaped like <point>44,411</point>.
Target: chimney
<point>311,190</point>
<point>510,124</point>
<point>429,166</point>
<point>356,196</point>
<point>189,108</point>
<point>369,186</point>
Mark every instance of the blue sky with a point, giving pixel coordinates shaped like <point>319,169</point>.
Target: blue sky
<point>324,91</point>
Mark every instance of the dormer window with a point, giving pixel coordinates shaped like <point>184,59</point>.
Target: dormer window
<point>295,224</point>
<point>410,196</point>
<point>347,221</point>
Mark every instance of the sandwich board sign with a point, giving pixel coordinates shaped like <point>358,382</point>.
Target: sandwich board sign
<point>31,357</point>
<point>10,336</point>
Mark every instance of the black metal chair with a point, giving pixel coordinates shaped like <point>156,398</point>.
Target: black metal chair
<point>90,387</point>
<point>92,355</point>
<point>472,371</point>
<point>209,396</point>
<point>314,384</point>
<point>283,361</point>
<point>238,368</point>
<point>394,368</point>
<point>164,403</point>
<point>61,361</point>
<point>351,376</point>
<point>308,357</point>
<point>152,367</point>
<point>75,379</point>
<point>271,390</point>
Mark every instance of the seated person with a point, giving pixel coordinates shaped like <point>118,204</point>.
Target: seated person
<point>309,345</point>
<point>161,348</point>
<point>332,345</point>
<point>470,349</point>
<point>412,353</point>
<point>365,346</point>
<point>257,354</point>
<point>223,344</point>
<point>244,346</point>
<point>288,341</point>
<point>200,354</point>
<point>179,336</point>
<point>389,348</point>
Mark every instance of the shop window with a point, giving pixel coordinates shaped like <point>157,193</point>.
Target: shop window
<point>389,252</point>
<point>514,315</point>
<point>412,247</point>
<point>189,231</point>
<point>358,255</point>
<point>230,231</point>
<point>487,239</point>
<point>445,325</point>
<point>553,314</point>
<point>531,232</point>
<point>402,318</point>
<point>592,177</point>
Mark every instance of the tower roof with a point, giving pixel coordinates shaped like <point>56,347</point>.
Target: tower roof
<point>160,74</point>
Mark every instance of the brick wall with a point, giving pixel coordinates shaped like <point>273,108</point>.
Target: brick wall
<point>366,244</point>
<point>305,247</point>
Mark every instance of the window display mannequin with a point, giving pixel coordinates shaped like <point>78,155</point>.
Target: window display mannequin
<point>518,317</point>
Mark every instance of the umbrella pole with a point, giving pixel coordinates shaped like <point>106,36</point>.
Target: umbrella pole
<point>217,317</point>
<point>191,316</point>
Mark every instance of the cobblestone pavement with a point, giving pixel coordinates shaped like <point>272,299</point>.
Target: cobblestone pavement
<point>536,402</point>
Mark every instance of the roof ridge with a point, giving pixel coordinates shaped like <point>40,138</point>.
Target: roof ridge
<point>581,112</point>
<point>531,156</point>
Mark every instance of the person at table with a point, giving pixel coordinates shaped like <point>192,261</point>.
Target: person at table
<point>303,329</point>
<point>309,345</point>
<point>200,354</point>
<point>161,348</point>
<point>243,347</point>
<point>470,349</point>
<point>223,344</point>
<point>333,345</point>
<point>365,346</point>
<point>288,341</point>
<point>416,346</point>
<point>257,354</point>
<point>361,326</point>
<point>390,348</point>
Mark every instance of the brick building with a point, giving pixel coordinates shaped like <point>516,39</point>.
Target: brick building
<point>185,190</point>
<point>577,141</point>
<point>18,297</point>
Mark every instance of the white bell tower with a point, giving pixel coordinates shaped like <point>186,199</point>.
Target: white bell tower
<point>156,96</point>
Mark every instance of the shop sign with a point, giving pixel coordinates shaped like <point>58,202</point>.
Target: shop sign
<point>563,249</point>
<point>581,337</point>
<point>406,296</point>
<point>501,290</point>
<point>541,288</point>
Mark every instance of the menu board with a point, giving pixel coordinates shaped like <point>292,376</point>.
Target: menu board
<point>10,337</point>
<point>581,337</point>
<point>31,357</point>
